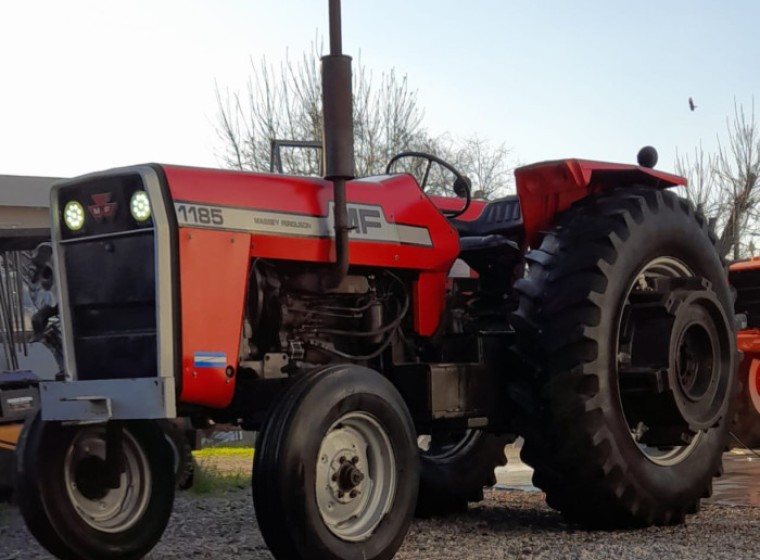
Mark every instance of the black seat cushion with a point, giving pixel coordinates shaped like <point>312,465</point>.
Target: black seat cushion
<point>500,216</point>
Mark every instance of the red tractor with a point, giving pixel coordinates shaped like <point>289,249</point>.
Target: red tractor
<point>590,314</point>
<point>745,279</point>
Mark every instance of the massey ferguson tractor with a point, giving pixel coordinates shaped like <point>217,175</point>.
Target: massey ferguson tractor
<point>348,319</point>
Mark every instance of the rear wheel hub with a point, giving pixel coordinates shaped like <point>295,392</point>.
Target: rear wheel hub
<point>700,350</point>
<point>675,341</point>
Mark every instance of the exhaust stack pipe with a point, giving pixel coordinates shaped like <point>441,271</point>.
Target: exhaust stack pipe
<point>338,139</point>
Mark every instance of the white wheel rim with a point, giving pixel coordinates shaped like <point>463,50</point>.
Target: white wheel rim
<point>105,509</point>
<point>355,476</point>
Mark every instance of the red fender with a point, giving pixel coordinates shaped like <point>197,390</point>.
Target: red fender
<point>548,188</point>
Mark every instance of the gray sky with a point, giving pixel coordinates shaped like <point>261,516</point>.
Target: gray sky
<point>88,85</point>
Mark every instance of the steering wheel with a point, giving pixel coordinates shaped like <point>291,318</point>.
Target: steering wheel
<point>462,185</point>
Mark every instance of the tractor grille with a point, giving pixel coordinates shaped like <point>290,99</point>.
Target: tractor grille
<point>110,282</point>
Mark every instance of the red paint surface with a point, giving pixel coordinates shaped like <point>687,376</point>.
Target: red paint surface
<point>548,188</point>
<point>750,264</point>
<point>213,272</point>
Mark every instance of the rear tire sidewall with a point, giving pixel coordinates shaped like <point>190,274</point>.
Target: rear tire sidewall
<point>449,481</point>
<point>293,456</point>
<point>85,541</point>
<point>691,245</point>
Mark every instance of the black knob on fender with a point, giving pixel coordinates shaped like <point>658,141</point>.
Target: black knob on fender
<point>647,157</point>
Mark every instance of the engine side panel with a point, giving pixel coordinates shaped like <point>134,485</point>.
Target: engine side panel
<point>291,218</point>
<point>213,271</point>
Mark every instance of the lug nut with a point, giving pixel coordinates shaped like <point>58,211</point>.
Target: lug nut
<point>355,459</point>
<point>354,493</point>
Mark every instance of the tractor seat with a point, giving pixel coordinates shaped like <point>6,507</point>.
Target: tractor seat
<point>501,217</point>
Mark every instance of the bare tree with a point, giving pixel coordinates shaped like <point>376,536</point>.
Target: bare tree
<point>725,184</point>
<point>285,102</point>
<point>487,166</point>
<point>700,170</point>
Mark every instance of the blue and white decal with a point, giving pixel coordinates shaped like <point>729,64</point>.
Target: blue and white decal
<point>210,359</point>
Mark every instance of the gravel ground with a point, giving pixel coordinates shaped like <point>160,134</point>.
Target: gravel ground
<point>508,524</point>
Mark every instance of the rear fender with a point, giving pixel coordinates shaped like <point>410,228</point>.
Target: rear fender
<point>549,188</point>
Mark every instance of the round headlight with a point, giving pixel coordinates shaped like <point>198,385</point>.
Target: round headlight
<point>139,206</point>
<point>73,215</point>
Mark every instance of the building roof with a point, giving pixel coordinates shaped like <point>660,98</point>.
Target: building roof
<point>31,192</point>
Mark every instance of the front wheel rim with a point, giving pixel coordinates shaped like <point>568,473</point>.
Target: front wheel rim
<point>355,476</point>
<point>109,510</point>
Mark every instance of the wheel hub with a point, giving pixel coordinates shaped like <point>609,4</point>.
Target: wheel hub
<point>356,477</point>
<point>699,350</point>
<point>346,480</point>
<point>89,478</point>
<point>674,347</point>
<point>695,363</point>
<point>105,509</point>
<point>349,477</point>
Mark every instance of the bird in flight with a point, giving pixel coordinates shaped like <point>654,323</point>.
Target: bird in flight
<point>691,104</point>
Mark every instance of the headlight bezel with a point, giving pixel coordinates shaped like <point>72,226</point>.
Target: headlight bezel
<point>140,207</point>
<point>74,215</point>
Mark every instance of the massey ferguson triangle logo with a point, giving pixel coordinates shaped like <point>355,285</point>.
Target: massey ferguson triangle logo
<point>103,207</point>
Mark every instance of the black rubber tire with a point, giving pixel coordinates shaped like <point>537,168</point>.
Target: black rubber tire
<point>449,480</point>
<point>746,428</point>
<point>184,462</point>
<point>28,493</point>
<point>6,474</point>
<point>284,471</point>
<point>576,436</point>
<point>49,513</point>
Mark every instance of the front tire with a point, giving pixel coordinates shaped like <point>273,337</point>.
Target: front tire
<point>335,472</point>
<point>626,329</point>
<point>67,506</point>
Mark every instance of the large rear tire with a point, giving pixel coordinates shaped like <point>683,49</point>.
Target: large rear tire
<point>625,323</point>
<point>68,507</point>
<point>335,472</point>
<point>454,469</point>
